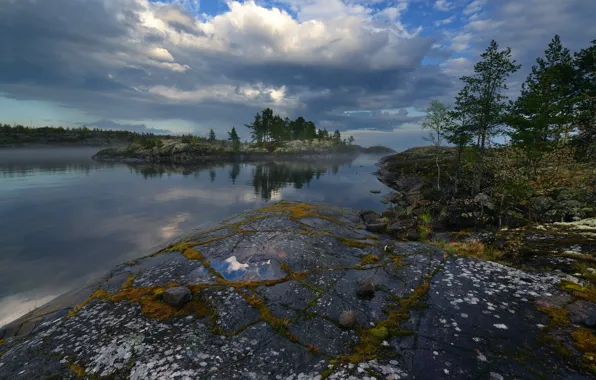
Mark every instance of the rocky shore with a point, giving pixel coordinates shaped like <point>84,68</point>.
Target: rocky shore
<point>304,291</point>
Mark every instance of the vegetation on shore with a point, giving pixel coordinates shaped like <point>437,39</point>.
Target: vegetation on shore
<point>548,155</point>
<point>19,135</point>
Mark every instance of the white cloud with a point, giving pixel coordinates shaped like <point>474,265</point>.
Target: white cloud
<point>461,42</point>
<point>161,54</point>
<point>257,94</point>
<point>474,7</point>
<point>446,21</point>
<point>443,5</point>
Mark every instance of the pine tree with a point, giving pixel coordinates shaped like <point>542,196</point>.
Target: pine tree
<point>486,103</point>
<point>585,97</point>
<point>235,139</point>
<point>256,127</point>
<point>459,130</point>
<point>211,135</point>
<point>542,114</point>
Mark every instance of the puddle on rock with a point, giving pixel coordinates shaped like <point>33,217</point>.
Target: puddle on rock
<point>233,270</point>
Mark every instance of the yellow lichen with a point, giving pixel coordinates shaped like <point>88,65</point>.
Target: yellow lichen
<point>77,369</point>
<point>2,342</point>
<point>150,302</point>
<point>557,315</point>
<point>99,293</point>
<point>356,243</point>
<point>584,340</point>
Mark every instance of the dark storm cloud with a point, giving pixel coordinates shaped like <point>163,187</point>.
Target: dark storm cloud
<point>63,51</point>
<point>106,58</point>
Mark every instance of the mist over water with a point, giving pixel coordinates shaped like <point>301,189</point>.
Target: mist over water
<point>66,220</point>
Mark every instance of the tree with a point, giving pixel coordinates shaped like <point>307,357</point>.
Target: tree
<point>486,102</point>
<point>585,96</point>
<point>459,130</point>
<point>235,139</point>
<point>437,120</point>
<point>336,137</point>
<point>211,135</point>
<point>350,140</point>
<point>542,115</point>
<point>256,127</point>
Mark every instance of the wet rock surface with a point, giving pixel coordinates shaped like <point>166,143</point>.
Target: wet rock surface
<point>270,289</point>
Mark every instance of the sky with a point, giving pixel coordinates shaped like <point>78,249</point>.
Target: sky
<point>368,68</point>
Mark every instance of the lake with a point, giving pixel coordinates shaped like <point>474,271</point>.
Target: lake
<point>66,220</point>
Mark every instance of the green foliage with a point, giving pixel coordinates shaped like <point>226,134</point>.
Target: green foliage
<point>235,139</point>
<point>483,102</point>
<point>211,137</point>
<point>541,117</point>
<point>18,134</point>
<point>149,143</point>
<point>437,120</point>
<point>268,127</point>
<point>585,97</point>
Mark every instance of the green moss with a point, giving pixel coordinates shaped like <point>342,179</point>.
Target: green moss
<point>588,294</point>
<point>370,345</point>
<point>369,259</point>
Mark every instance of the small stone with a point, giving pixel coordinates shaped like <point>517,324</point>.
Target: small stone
<point>366,289</point>
<point>375,191</point>
<point>348,319</point>
<point>177,296</point>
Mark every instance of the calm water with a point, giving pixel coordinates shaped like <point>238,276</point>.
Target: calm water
<point>65,220</point>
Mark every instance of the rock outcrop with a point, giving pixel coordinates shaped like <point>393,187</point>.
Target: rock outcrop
<point>270,291</point>
<point>177,152</point>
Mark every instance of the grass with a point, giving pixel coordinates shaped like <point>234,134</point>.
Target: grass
<point>472,248</point>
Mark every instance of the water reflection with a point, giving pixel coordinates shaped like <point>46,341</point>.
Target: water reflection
<point>65,219</point>
<point>267,178</point>
<point>233,270</point>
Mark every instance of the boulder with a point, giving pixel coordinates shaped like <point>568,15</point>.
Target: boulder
<point>366,289</point>
<point>348,319</point>
<point>177,296</point>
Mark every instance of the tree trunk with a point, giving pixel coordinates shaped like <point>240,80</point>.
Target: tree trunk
<point>438,173</point>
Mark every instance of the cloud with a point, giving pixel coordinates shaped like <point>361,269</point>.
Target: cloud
<point>443,5</point>
<point>139,128</point>
<point>474,7</point>
<point>140,60</point>
<point>445,21</point>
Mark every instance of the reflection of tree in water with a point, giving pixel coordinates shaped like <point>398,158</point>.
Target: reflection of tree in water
<point>234,172</point>
<point>270,177</point>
